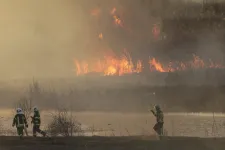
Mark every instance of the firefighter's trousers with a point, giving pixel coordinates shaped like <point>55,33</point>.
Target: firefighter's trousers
<point>159,128</point>
<point>36,128</point>
<point>20,131</point>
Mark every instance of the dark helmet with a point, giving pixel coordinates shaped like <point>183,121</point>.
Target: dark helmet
<point>157,107</point>
<point>35,109</point>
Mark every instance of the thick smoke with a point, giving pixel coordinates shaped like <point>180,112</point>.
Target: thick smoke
<point>40,38</point>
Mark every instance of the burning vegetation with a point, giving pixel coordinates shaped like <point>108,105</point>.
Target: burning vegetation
<point>121,64</point>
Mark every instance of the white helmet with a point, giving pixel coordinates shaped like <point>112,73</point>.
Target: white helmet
<point>19,111</point>
<point>35,109</point>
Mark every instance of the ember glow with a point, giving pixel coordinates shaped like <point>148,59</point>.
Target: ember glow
<point>100,36</point>
<point>156,31</point>
<point>117,20</point>
<point>95,12</point>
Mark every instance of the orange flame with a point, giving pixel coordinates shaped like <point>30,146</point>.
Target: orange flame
<point>110,65</point>
<point>114,65</point>
<point>117,20</point>
<point>157,65</point>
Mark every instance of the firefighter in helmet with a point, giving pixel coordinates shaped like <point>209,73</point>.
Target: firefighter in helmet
<point>20,121</point>
<point>36,121</point>
<point>157,112</point>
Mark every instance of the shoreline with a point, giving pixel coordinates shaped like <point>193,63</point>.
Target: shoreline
<point>5,111</point>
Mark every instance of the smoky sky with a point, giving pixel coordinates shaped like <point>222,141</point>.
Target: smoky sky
<point>40,38</point>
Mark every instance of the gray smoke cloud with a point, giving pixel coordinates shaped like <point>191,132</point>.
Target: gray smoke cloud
<point>40,38</point>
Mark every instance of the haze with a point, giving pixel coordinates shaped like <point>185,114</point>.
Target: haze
<point>40,37</point>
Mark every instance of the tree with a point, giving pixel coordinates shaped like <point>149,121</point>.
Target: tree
<point>34,92</point>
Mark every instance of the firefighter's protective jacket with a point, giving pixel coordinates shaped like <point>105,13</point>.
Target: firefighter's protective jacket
<point>159,116</point>
<point>19,120</point>
<point>36,119</point>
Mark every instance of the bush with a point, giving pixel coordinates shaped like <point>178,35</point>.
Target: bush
<point>63,124</point>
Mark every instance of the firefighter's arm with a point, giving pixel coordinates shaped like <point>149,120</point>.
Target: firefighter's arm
<point>153,112</point>
<point>14,121</point>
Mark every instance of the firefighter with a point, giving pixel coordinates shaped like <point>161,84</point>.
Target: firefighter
<point>36,121</point>
<point>20,121</point>
<point>157,112</point>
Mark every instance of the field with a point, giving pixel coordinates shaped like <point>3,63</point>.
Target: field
<point>112,143</point>
<point>117,117</point>
<point>137,124</point>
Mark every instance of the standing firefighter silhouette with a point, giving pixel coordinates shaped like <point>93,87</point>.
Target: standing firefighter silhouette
<point>20,121</point>
<point>36,121</point>
<point>157,112</point>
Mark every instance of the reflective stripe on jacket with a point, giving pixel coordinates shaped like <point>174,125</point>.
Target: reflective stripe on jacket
<point>19,120</point>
